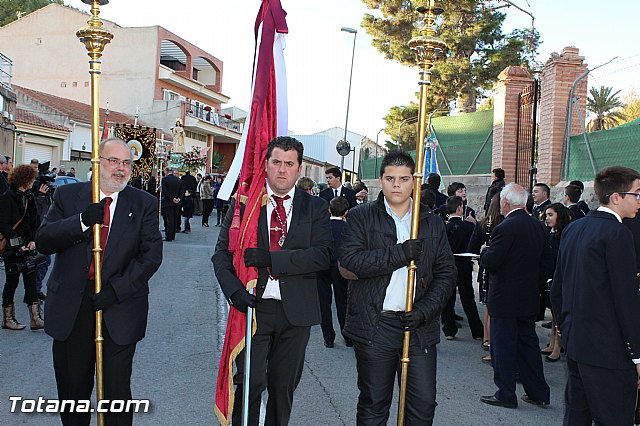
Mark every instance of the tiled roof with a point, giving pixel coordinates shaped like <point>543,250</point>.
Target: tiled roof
<point>76,111</point>
<point>26,117</point>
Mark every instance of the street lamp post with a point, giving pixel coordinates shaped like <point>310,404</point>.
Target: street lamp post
<point>346,121</point>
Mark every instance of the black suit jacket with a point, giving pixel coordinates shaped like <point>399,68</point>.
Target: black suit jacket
<point>518,260</point>
<point>538,211</point>
<point>171,188</point>
<point>575,212</point>
<point>305,253</point>
<point>595,294</point>
<point>132,255</point>
<point>349,194</point>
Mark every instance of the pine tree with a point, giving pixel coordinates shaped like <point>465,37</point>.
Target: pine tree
<point>10,10</point>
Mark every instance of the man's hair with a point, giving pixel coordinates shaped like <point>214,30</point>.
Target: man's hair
<point>578,183</point>
<point>545,188</point>
<point>613,179</point>
<point>21,175</point>
<point>359,186</point>
<point>104,143</point>
<point>34,161</point>
<point>286,143</point>
<point>305,183</point>
<point>428,197</point>
<point>338,206</point>
<point>434,180</point>
<point>514,194</point>
<point>498,172</point>
<point>573,192</point>
<point>207,177</point>
<point>453,187</point>
<point>168,169</point>
<point>453,203</point>
<point>334,171</point>
<point>397,159</point>
<point>3,160</point>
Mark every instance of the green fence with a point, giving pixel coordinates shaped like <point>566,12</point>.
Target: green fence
<point>617,146</point>
<point>465,145</point>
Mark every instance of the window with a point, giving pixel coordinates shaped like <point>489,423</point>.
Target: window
<point>169,95</point>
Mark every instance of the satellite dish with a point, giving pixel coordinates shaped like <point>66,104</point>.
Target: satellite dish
<point>343,147</point>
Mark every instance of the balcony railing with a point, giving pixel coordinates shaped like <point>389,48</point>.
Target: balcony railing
<point>204,113</point>
<point>5,71</point>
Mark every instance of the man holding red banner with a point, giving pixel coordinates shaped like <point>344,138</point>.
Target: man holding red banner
<point>293,247</point>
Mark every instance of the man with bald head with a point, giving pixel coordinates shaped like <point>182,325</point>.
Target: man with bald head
<point>517,259</point>
<point>132,253</point>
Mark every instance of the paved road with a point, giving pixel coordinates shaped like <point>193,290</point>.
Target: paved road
<point>176,364</point>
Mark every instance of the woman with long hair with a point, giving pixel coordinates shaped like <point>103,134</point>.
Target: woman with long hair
<point>482,236</point>
<point>557,217</point>
<point>19,222</point>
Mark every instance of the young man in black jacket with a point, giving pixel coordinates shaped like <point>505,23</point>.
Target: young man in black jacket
<point>376,250</point>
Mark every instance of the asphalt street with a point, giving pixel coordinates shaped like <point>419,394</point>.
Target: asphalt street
<point>176,364</point>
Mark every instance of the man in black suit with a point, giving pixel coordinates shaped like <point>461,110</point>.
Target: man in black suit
<point>459,233</point>
<point>596,303</point>
<point>541,201</point>
<point>433,183</point>
<point>171,188</point>
<point>294,241</point>
<point>582,205</point>
<point>516,259</point>
<point>132,254</point>
<point>571,197</point>
<point>336,189</point>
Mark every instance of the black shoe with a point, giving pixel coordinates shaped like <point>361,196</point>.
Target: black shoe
<point>41,296</point>
<point>547,324</point>
<point>328,345</point>
<point>492,400</point>
<point>528,400</point>
<point>348,343</point>
<point>549,359</point>
<point>485,345</point>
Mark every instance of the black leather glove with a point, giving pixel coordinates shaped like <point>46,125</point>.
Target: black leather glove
<point>257,257</point>
<point>411,320</point>
<point>412,249</point>
<point>93,214</point>
<point>242,299</point>
<point>104,299</point>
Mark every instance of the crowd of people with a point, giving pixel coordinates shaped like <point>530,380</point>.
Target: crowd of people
<point>336,244</point>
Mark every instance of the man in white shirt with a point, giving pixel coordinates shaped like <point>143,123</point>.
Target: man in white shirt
<point>376,250</point>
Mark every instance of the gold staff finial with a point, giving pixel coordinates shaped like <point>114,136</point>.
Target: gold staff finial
<point>95,37</point>
<point>428,47</point>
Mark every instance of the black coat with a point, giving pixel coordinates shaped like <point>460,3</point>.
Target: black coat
<point>595,292</point>
<point>12,209</point>
<point>171,188</point>
<point>304,255</point>
<point>495,188</point>
<point>370,251</point>
<point>575,212</point>
<point>349,194</point>
<point>459,234</point>
<point>538,211</point>
<point>132,255</point>
<point>4,183</point>
<point>518,261</point>
<point>189,183</point>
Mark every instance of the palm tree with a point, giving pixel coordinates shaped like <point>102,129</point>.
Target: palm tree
<point>603,103</point>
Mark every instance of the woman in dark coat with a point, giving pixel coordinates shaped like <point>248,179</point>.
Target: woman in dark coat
<point>218,204</point>
<point>18,207</point>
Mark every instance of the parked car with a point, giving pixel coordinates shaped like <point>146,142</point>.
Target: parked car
<point>64,180</point>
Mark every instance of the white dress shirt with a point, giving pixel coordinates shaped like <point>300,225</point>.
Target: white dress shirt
<point>272,290</point>
<point>395,298</point>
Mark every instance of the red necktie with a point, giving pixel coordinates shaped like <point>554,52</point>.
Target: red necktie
<point>104,233</point>
<point>278,230</point>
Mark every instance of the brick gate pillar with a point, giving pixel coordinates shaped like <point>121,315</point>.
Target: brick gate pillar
<point>511,81</point>
<point>558,75</point>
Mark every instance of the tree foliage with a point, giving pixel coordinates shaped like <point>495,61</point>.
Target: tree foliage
<point>631,108</point>
<point>605,105</point>
<point>10,10</point>
<point>472,29</point>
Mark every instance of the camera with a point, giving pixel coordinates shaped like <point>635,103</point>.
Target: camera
<point>25,260</point>
<point>45,176</point>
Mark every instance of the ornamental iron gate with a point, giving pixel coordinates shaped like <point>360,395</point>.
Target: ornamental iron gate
<point>526,146</point>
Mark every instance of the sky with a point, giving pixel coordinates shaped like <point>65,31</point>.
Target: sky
<point>318,54</point>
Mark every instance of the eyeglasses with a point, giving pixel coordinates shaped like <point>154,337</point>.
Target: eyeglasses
<point>115,162</point>
<point>636,194</point>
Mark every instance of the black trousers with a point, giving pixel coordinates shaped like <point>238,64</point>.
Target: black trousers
<point>379,364</point>
<point>467,299</point>
<point>74,365</point>
<point>12,274</point>
<point>219,213</point>
<point>170,218</point>
<point>277,360</point>
<point>515,347</point>
<point>332,285</point>
<point>207,208</point>
<point>600,395</point>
